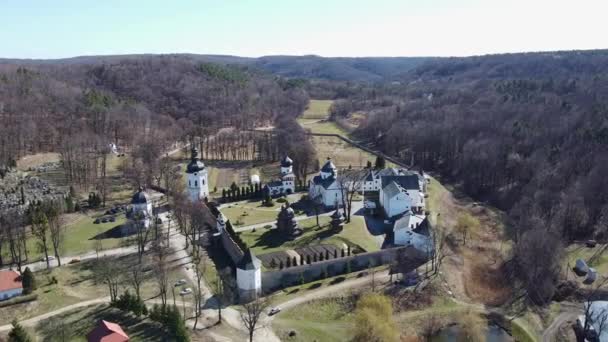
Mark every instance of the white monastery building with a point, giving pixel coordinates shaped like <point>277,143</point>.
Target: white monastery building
<point>141,205</point>
<point>197,184</point>
<point>325,188</point>
<point>287,183</point>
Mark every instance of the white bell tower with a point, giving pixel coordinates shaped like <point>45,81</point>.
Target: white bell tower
<point>198,186</point>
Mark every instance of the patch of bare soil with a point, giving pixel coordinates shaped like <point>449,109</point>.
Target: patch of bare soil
<point>36,160</point>
<point>474,270</point>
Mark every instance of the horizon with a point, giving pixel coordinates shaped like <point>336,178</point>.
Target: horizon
<point>389,28</point>
<point>295,56</point>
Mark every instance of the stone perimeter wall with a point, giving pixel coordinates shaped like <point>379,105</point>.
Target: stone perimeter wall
<point>275,280</point>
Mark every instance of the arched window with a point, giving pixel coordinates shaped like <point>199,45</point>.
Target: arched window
<point>203,181</point>
<point>195,183</point>
<point>189,183</point>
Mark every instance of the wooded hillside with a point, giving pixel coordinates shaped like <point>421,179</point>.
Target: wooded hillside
<point>59,106</point>
<point>527,132</point>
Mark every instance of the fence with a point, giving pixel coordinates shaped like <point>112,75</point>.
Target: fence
<point>276,280</point>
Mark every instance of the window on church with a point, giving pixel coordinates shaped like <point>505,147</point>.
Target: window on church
<point>189,183</point>
<point>195,183</point>
<point>203,182</point>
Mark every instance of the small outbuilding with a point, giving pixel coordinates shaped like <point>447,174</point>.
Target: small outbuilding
<point>107,332</point>
<point>10,284</point>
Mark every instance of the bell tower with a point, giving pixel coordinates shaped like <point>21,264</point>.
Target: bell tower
<point>198,186</point>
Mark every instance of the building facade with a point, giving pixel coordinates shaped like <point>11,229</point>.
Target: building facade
<point>197,178</point>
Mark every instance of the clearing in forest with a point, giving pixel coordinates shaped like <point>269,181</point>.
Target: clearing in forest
<point>317,109</point>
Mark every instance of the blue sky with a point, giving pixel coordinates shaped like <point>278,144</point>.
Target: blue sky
<point>66,28</point>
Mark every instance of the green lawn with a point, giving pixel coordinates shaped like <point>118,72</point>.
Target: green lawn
<point>245,215</point>
<point>76,324</point>
<point>75,283</point>
<point>324,127</point>
<point>78,237</point>
<point>356,232</point>
<point>263,240</point>
<point>317,109</point>
<point>327,319</point>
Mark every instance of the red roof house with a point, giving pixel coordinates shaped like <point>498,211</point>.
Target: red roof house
<point>10,284</point>
<point>107,332</point>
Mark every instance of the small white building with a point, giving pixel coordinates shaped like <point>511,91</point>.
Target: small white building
<point>141,206</point>
<point>249,276</point>
<point>413,230</point>
<point>254,179</point>
<point>326,188</point>
<point>10,284</point>
<point>197,185</point>
<point>287,183</point>
<point>400,194</point>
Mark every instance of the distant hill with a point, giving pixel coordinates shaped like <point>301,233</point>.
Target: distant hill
<point>368,69</point>
<point>365,69</point>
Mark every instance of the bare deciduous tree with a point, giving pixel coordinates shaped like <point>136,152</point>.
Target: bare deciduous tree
<point>251,313</point>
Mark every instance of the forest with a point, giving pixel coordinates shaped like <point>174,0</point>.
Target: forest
<point>142,104</point>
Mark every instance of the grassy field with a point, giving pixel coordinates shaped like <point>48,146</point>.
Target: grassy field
<point>317,109</point>
<point>248,214</point>
<point>321,320</point>
<point>76,324</point>
<point>264,240</point>
<point>78,237</point>
<point>355,234</point>
<point>76,283</point>
<point>322,126</point>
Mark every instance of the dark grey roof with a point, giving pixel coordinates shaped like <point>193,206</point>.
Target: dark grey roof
<point>195,164</point>
<point>140,197</point>
<point>372,174</point>
<point>286,162</point>
<point>249,261</point>
<point>328,166</point>
<point>274,184</point>
<point>326,183</point>
<point>408,182</point>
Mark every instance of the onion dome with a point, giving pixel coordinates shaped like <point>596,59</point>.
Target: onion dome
<point>195,164</point>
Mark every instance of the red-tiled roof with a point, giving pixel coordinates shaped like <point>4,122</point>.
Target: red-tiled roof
<point>107,332</point>
<point>10,280</point>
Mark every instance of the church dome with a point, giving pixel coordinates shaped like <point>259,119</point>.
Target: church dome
<point>329,166</point>
<point>286,162</point>
<point>195,164</point>
<point>140,197</point>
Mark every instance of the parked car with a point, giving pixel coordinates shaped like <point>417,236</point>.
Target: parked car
<point>185,291</point>
<point>591,243</point>
<point>180,282</point>
<point>159,220</point>
<point>112,219</point>
<point>97,221</point>
<point>51,258</point>
<point>274,311</point>
<point>104,220</point>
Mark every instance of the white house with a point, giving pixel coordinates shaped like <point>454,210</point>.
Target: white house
<point>401,193</point>
<point>287,183</point>
<point>249,276</point>
<point>412,230</point>
<point>372,181</point>
<point>325,188</point>
<point>141,206</point>
<point>10,284</point>
<point>197,186</point>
